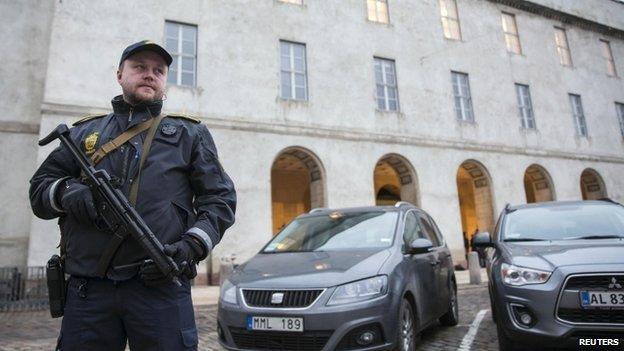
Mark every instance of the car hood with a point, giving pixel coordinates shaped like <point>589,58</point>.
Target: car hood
<point>552,254</point>
<point>308,269</point>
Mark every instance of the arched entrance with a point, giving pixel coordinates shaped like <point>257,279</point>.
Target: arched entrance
<point>297,185</point>
<point>475,200</point>
<point>592,186</point>
<point>394,180</point>
<point>538,185</point>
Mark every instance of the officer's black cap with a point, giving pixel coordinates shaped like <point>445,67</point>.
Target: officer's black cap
<point>146,45</point>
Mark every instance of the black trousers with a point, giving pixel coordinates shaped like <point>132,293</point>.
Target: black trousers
<point>101,314</point>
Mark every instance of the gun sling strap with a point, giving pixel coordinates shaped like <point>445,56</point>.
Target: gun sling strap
<point>118,237</point>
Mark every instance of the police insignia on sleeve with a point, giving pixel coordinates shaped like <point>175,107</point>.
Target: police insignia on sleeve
<point>90,142</point>
<point>168,129</point>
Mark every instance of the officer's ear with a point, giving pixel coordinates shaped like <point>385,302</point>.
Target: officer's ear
<point>119,71</point>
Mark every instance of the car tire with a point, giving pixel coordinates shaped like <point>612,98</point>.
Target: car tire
<point>406,328</point>
<point>451,317</point>
<point>505,343</point>
<point>492,305</point>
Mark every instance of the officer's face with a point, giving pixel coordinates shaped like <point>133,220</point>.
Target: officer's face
<point>142,77</point>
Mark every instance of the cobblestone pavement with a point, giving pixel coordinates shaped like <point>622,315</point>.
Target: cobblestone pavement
<point>30,331</point>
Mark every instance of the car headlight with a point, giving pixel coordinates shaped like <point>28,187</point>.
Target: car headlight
<point>517,276</point>
<point>228,292</point>
<point>361,290</point>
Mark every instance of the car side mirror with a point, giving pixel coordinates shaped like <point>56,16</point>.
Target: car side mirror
<point>482,240</point>
<point>419,246</point>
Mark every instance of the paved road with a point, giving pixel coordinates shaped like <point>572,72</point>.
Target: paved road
<point>29,331</point>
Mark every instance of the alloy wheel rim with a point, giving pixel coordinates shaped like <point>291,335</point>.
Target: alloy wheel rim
<point>407,330</point>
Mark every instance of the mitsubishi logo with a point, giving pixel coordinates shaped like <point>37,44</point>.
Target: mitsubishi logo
<point>614,284</point>
<point>278,298</point>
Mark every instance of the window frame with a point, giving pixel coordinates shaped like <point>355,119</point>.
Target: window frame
<point>607,55</point>
<point>292,72</point>
<point>382,61</point>
<point>466,111</point>
<point>511,35</point>
<point>525,104</point>
<point>179,54</point>
<point>578,115</point>
<point>448,18</point>
<point>619,110</point>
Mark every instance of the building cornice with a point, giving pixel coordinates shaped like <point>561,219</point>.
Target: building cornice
<point>359,135</point>
<point>564,17</point>
<point>19,127</point>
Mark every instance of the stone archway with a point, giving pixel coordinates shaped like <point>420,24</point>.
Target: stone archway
<point>592,185</point>
<point>297,185</point>
<point>538,185</point>
<point>394,179</point>
<point>475,200</point>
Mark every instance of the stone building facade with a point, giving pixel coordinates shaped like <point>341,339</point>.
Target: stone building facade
<point>457,106</point>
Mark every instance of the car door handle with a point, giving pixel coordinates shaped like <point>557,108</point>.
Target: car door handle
<point>435,263</point>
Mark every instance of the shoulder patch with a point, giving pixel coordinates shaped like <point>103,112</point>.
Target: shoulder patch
<point>88,118</point>
<point>186,117</point>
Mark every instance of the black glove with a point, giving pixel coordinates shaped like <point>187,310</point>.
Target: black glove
<point>184,253</point>
<point>77,200</point>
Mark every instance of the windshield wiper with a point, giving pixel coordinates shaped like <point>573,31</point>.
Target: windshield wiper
<point>523,239</point>
<point>594,237</point>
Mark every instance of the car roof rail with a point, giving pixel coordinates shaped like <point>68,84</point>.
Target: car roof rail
<point>317,209</point>
<point>402,203</point>
<point>607,199</point>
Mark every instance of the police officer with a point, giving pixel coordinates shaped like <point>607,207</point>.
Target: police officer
<point>184,196</point>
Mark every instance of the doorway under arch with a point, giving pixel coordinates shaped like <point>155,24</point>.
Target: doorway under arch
<point>592,185</point>
<point>538,185</point>
<point>297,185</point>
<point>395,180</point>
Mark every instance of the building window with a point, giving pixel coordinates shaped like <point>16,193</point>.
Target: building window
<point>461,93</point>
<point>525,107</point>
<point>378,10</point>
<point>181,42</point>
<point>619,107</point>
<point>512,39</point>
<point>608,56</point>
<point>294,80</point>
<point>563,50</point>
<point>450,19</point>
<point>579,116</point>
<point>298,2</point>
<point>385,78</point>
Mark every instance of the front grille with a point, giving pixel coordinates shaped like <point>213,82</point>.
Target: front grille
<point>587,282</point>
<point>280,341</point>
<point>291,299</point>
<point>591,316</point>
<point>603,282</point>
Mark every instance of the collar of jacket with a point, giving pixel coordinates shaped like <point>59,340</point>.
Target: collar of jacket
<point>120,106</point>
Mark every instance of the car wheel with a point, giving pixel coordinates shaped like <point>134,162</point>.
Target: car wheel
<point>492,306</point>
<point>451,317</point>
<point>406,328</point>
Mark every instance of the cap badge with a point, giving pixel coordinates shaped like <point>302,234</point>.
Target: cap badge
<point>90,141</point>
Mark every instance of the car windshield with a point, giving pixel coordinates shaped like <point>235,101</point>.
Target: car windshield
<point>336,232</point>
<point>565,222</point>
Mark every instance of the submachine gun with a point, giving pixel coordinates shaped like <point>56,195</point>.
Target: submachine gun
<point>117,216</point>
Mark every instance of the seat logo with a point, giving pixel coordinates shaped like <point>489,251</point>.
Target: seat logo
<point>277,298</point>
<point>614,284</point>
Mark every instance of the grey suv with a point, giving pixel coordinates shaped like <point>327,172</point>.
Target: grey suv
<point>556,274</point>
<point>366,278</point>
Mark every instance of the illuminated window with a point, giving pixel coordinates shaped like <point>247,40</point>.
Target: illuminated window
<point>450,19</point>
<point>563,50</point>
<point>378,10</point>
<point>512,39</point>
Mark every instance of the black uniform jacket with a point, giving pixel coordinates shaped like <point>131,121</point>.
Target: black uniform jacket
<point>183,188</point>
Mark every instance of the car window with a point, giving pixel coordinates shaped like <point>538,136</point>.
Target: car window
<point>429,230</point>
<point>336,231</point>
<point>412,229</point>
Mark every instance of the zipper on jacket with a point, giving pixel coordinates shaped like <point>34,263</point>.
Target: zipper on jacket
<point>130,114</point>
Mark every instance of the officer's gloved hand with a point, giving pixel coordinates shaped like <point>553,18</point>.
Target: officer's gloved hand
<point>77,200</point>
<point>184,253</point>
